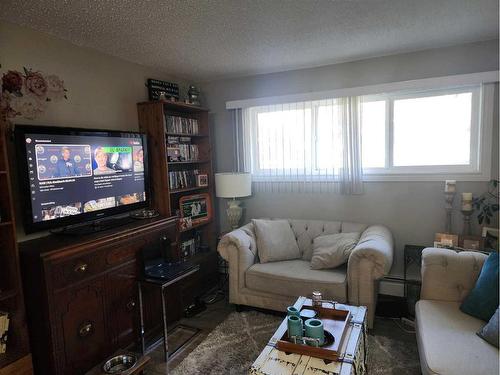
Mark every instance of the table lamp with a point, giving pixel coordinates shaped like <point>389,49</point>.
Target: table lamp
<point>233,185</point>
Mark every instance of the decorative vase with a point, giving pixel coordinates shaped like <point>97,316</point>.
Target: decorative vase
<point>234,212</point>
<point>314,329</point>
<point>290,310</point>
<point>295,328</point>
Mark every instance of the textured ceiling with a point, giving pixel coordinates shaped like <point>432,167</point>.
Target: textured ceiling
<point>205,40</point>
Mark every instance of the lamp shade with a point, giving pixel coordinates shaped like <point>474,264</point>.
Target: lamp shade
<point>233,185</point>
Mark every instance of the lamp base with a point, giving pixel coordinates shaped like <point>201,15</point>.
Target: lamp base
<point>234,212</point>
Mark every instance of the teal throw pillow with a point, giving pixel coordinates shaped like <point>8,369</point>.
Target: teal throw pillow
<point>482,300</point>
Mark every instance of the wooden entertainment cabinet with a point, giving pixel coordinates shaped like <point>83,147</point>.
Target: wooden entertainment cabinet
<point>81,293</point>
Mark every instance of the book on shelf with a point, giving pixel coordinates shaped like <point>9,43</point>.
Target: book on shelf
<point>181,125</point>
<point>181,149</point>
<point>4,327</point>
<point>182,179</point>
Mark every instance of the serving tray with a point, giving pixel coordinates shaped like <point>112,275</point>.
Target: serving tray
<point>335,322</point>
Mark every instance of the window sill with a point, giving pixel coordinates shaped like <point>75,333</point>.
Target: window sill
<point>414,177</point>
<point>388,177</point>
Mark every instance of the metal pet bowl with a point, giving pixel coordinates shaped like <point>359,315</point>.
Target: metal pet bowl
<point>119,363</point>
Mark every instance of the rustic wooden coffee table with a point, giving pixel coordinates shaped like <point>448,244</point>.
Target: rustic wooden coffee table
<point>352,360</point>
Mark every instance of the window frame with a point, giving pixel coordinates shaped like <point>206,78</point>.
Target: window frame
<point>480,149</point>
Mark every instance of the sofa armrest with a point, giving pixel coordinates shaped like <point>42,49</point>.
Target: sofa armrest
<point>370,260</point>
<point>239,249</point>
<point>243,239</point>
<point>375,247</point>
<point>448,275</point>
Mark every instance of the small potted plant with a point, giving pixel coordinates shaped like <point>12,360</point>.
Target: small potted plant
<point>487,203</point>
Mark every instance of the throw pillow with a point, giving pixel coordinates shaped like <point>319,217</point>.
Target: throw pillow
<point>332,250</point>
<point>490,331</point>
<point>275,240</point>
<point>482,300</point>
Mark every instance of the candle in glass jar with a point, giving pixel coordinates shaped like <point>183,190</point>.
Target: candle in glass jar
<point>450,186</point>
<point>466,201</point>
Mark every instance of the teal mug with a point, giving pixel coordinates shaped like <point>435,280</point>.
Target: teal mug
<point>314,329</point>
<point>290,310</point>
<point>295,327</point>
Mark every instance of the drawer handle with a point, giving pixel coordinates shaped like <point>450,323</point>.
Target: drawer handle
<point>130,305</point>
<point>85,329</point>
<point>81,267</point>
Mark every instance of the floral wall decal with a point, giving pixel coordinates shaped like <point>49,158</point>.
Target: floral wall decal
<point>27,94</point>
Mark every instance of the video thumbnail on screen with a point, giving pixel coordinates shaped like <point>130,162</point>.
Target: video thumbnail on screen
<point>61,161</point>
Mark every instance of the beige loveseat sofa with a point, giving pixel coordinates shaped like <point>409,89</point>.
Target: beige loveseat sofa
<point>447,340</point>
<point>276,285</point>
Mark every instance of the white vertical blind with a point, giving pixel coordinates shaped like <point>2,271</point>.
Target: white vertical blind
<point>312,146</point>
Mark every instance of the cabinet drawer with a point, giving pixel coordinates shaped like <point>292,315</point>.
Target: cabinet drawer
<point>76,269</point>
<point>79,268</point>
<point>124,252</point>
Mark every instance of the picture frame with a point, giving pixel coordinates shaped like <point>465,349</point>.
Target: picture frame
<point>196,209</point>
<point>202,180</point>
<point>490,238</point>
<point>446,240</point>
<point>185,223</point>
<point>475,243</point>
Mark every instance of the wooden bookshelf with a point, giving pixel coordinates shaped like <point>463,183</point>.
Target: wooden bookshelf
<point>152,121</point>
<point>11,295</point>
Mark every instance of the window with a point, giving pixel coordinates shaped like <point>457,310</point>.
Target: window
<point>297,140</point>
<point>410,135</point>
<point>421,132</point>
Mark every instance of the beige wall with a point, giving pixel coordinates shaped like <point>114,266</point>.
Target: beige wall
<point>414,211</point>
<point>102,90</point>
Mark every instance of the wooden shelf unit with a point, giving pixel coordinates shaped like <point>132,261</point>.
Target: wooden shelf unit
<point>152,121</point>
<point>11,296</point>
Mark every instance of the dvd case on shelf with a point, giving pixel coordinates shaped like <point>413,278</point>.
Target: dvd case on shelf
<point>182,179</point>
<point>181,149</point>
<point>181,125</point>
<point>4,327</point>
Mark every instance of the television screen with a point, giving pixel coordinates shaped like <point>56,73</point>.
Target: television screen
<point>72,175</point>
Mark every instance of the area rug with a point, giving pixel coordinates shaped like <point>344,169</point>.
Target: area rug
<point>233,345</point>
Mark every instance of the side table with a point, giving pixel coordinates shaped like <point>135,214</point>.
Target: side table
<point>161,285</point>
<point>412,257</point>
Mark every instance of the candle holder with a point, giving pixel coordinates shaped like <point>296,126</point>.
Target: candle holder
<point>467,224</point>
<point>449,197</point>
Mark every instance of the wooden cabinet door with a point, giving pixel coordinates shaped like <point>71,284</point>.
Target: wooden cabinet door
<point>123,306</point>
<point>81,311</point>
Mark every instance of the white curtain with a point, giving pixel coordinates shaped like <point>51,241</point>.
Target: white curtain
<point>312,146</point>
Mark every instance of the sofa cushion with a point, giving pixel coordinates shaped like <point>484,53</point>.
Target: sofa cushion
<point>482,301</point>
<point>275,240</point>
<point>448,343</point>
<point>333,250</point>
<point>296,278</point>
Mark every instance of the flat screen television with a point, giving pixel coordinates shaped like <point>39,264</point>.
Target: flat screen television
<point>70,175</point>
